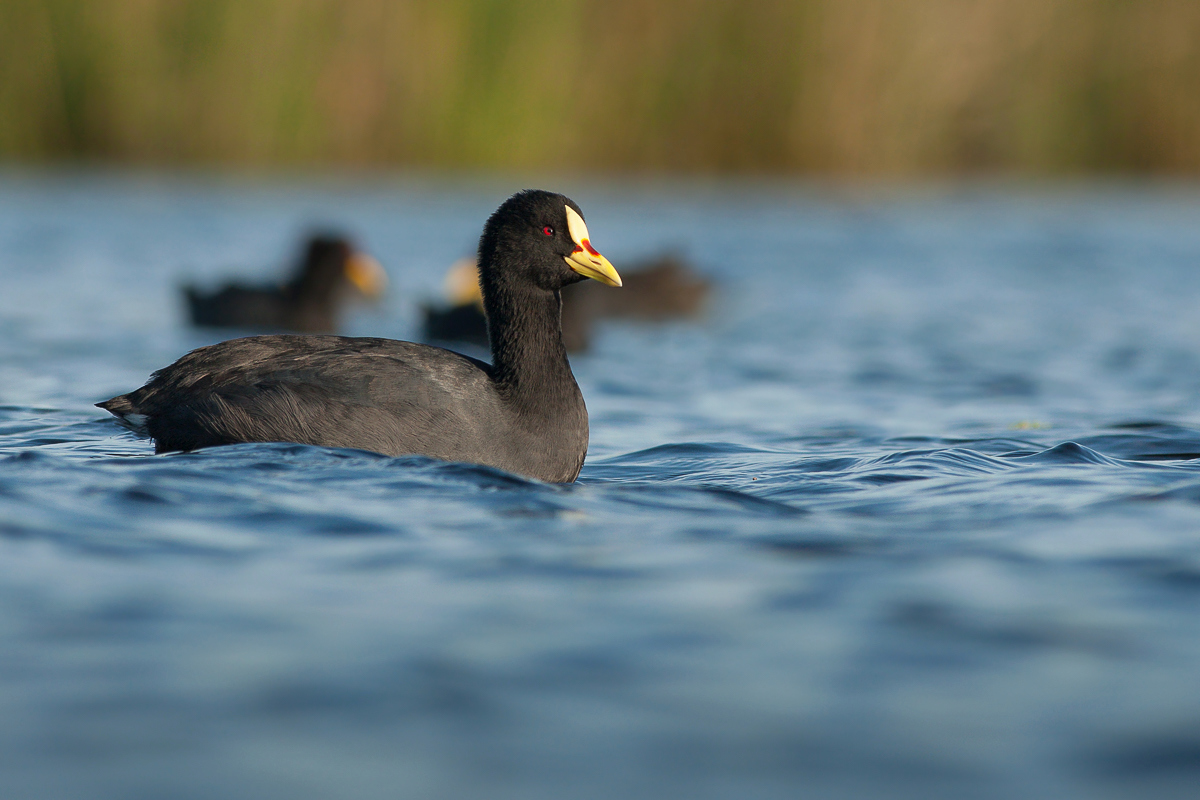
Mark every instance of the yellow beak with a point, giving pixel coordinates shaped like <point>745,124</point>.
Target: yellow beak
<point>366,274</point>
<point>585,260</point>
<point>462,283</point>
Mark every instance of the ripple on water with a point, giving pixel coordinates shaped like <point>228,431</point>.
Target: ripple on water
<point>869,530</point>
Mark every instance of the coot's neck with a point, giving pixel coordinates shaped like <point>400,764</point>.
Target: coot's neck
<point>529,361</point>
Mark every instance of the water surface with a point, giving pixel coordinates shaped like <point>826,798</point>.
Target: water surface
<point>914,512</point>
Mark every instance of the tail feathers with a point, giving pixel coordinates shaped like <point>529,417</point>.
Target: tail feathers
<point>123,409</point>
<point>121,404</point>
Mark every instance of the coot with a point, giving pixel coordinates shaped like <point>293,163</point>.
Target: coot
<point>661,289</point>
<point>523,413</point>
<point>329,270</point>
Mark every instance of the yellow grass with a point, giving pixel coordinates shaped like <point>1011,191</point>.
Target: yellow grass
<point>870,87</point>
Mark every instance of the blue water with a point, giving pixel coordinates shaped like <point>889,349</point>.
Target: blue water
<point>913,512</point>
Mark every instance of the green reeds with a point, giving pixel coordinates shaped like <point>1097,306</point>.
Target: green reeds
<point>827,86</point>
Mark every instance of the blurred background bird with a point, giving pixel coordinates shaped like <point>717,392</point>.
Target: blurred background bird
<point>657,290</point>
<point>330,272</point>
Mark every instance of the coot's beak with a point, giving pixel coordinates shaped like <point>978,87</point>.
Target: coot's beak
<point>585,260</point>
<point>462,283</point>
<point>366,274</point>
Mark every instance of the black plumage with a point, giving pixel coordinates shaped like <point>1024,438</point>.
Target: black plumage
<point>329,272</point>
<point>523,413</point>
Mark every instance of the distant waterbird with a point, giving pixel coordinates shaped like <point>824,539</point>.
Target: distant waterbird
<point>523,413</point>
<point>661,289</point>
<point>330,271</point>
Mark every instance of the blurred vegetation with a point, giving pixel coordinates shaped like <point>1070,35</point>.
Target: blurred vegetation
<point>825,86</point>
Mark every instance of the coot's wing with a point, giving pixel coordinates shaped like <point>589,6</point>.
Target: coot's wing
<point>372,394</point>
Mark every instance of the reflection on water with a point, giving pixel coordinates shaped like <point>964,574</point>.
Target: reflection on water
<point>912,513</point>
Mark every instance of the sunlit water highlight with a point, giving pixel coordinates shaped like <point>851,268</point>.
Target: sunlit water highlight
<point>914,512</point>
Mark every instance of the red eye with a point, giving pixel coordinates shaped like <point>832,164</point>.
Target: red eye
<point>548,230</point>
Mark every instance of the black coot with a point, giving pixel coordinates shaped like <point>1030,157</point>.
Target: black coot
<point>329,270</point>
<point>662,289</point>
<point>523,413</point>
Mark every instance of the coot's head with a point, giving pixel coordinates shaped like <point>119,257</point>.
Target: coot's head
<point>330,261</point>
<point>540,238</point>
